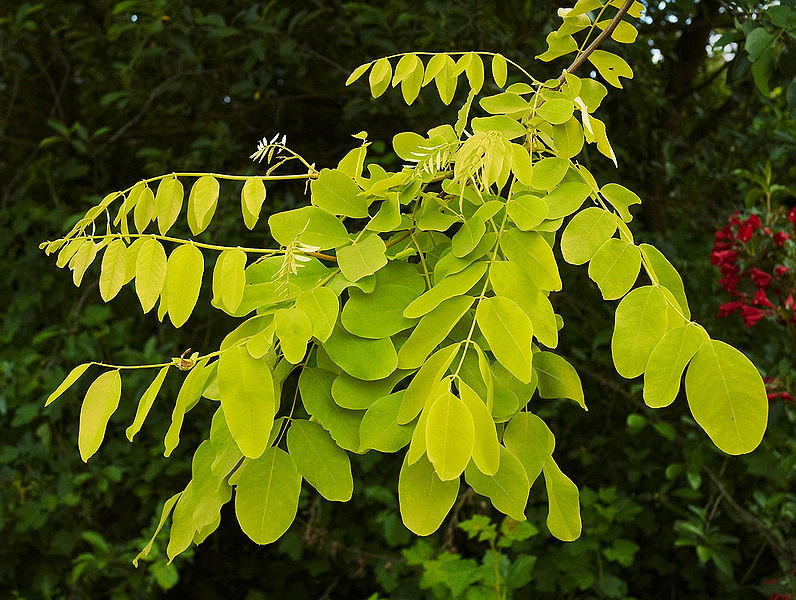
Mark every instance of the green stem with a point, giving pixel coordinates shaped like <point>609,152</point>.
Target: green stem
<point>469,339</point>
<point>166,238</point>
<point>422,259</point>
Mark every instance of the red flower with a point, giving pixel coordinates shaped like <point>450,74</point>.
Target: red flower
<point>745,232</point>
<point>725,233</point>
<point>718,257</point>
<point>786,397</point>
<point>780,270</point>
<point>751,315</point>
<point>728,308</point>
<point>760,278</point>
<point>761,300</point>
<point>788,301</point>
<point>754,221</point>
<point>730,283</point>
<point>767,231</point>
<point>792,215</point>
<point>780,238</point>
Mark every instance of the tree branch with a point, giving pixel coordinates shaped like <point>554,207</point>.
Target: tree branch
<point>578,62</point>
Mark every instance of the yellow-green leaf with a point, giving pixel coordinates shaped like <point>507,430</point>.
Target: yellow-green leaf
<point>164,514</point>
<point>252,197</point>
<point>113,270</point>
<point>423,498</point>
<point>81,261</point>
<point>246,391</point>
<point>640,324</point>
<point>486,448</point>
<point>168,201</point>
<point>727,397</point>
<point>202,203</point>
<point>357,73</point>
<point>70,379</point>
<point>450,434</point>
<point>667,363</point>
<point>150,271</point>
<point>615,267</point>
<point>321,305</point>
<point>585,233</point>
<point>145,403</point>
<point>266,496</point>
<point>563,516</point>
<point>231,278</point>
<point>145,208</point>
<point>183,280</point>
<point>509,333</point>
<point>611,67</point>
<point>320,461</point>
<point>102,399</point>
<point>294,330</point>
<point>499,70</point>
<point>531,441</point>
<point>508,488</point>
<point>379,77</point>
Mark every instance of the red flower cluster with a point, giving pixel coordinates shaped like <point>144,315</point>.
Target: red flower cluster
<point>776,389</point>
<point>750,260</point>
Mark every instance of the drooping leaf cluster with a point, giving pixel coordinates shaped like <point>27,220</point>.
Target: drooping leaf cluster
<point>413,306</point>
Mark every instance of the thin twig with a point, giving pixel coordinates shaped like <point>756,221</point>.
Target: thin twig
<point>578,62</point>
<point>784,550</point>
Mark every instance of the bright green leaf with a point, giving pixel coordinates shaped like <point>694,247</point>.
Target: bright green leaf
<point>168,201</point>
<point>532,251</point>
<point>100,402</point>
<point>450,434</point>
<point>321,305</point>
<point>380,430</point>
<point>202,203</point>
<point>640,324</point>
<point>359,357</point>
<point>150,273</point>
<point>450,286</point>
<point>499,70</point>
<point>338,194</point>
<point>531,441</point>
<point>145,403</point>
<point>614,267</point>
<point>184,272</point>
<point>509,332</point>
<point>424,499</point>
<point>432,329</point>
<point>611,66</point>
<point>362,258</point>
<point>508,488</point>
<point>586,233</point>
<point>266,496</point>
<point>113,270</point>
<point>252,196</point>
<point>309,225</point>
<point>486,448</point>
<point>667,363</point>
<point>70,379</point>
<point>563,516</point>
<point>727,397</point>
<point>320,461</point>
<point>294,330</point>
<point>246,391</point>
<point>557,378</point>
